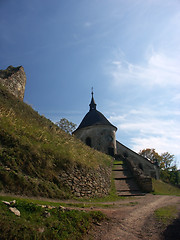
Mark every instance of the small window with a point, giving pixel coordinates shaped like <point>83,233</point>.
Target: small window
<point>88,141</point>
<point>140,166</point>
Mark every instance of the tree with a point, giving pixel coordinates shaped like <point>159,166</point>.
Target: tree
<point>66,125</point>
<point>167,161</point>
<point>150,154</point>
<point>168,169</point>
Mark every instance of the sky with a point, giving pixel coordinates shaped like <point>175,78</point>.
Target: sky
<point>127,50</point>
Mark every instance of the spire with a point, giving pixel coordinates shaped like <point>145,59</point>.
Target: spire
<point>92,104</point>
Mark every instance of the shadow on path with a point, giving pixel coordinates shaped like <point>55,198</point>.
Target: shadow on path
<point>172,232</point>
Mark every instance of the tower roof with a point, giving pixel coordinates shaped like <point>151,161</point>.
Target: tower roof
<point>94,117</point>
<point>92,104</point>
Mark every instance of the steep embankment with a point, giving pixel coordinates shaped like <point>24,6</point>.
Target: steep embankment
<point>37,158</point>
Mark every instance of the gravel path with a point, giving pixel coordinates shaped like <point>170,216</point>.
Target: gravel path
<point>134,222</point>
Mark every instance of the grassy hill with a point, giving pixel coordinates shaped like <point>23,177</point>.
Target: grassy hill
<point>42,222</point>
<point>162,188</point>
<point>33,151</point>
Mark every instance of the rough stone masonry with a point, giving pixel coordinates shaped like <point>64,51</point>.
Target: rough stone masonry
<point>14,79</point>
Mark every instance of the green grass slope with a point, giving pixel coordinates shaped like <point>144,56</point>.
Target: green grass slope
<point>33,150</point>
<point>40,222</point>
<point>162,188</point>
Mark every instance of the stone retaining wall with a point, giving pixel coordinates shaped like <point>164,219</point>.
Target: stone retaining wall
<point>144,182</point>
<point>141,163</point>
<point>87,182</point>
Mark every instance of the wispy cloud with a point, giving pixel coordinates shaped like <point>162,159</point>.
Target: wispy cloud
<point>160,143</point>
<point>148,128</point>
<point>176,98</point>
<point>87,24</point>
<point>158,70</point>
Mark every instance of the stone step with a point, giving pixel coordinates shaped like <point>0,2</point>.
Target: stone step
<point>126,185</point>
<point>130,193</point>
<point>122,174</point>
<point>123,178</point>
<point>119,168</point>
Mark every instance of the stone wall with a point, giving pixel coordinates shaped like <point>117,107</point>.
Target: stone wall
<point>144,181</point>
<point>14,79</point>
<point>86,182</point>
<point>141,163</point>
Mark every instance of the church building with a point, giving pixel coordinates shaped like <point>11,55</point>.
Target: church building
<point>97,132</point>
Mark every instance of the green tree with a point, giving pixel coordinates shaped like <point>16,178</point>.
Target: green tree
<point>66,125</point>
<point>166,162</point>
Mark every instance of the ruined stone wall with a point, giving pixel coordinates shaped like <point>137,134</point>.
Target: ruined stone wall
<point>148,168</point>
<point>86,182</point>
<point>14,79</point>
<point>144,181</point>
<point>102,137</point>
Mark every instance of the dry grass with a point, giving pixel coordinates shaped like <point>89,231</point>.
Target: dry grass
<point>33,151</point>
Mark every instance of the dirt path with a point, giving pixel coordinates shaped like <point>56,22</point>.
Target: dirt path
<point>130,219</point>
<point>133,222</point>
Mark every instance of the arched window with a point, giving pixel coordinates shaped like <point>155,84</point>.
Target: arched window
<point>125,154</point>
<point>88,141</point>
<point>111,151</point>
<point>140,166</point>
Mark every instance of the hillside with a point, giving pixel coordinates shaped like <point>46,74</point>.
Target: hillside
<point>39,159</point>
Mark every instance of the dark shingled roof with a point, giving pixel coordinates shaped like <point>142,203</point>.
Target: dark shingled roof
<point>94,117</point>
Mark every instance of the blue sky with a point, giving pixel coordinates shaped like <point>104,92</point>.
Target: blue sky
<point>128,50</point>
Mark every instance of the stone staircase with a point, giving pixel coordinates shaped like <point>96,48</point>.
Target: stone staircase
<point>124,181</point>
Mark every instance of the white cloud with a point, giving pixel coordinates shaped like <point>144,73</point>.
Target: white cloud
<point>150,85</point>
<point>148,128</point>
<point>161,144</point>
<point>158,69</point>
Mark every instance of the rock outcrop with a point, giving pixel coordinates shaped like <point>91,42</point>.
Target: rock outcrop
<point>14,79</point>
<point>12,208</point>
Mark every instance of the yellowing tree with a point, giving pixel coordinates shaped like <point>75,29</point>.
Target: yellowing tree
<point>166,162</point>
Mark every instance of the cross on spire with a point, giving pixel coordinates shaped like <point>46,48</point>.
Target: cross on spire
<point>92,91</point>
<point>92,104</point>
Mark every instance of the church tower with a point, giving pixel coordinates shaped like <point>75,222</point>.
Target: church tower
<point>96,131</point>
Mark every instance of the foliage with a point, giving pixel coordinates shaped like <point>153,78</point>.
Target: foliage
<point>35,224</point>
<point>66,125</point>
<point>168,169</point>
<point>34,151</point>
<point>167,161</point>
<point>150,154</point>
